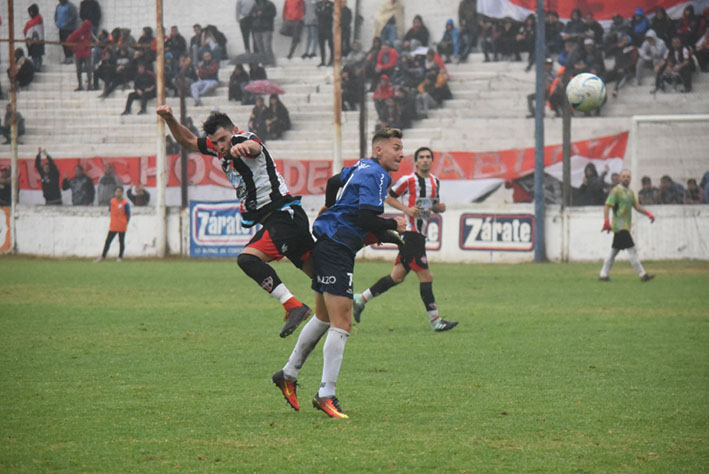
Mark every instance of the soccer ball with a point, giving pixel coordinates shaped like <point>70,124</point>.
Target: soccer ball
<point>586,92</point>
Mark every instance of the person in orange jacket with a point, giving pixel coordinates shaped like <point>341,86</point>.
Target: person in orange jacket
<point>120,215</point>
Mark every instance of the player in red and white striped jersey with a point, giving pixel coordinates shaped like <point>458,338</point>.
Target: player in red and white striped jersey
<point>417,195</point>
<point>264,199</point>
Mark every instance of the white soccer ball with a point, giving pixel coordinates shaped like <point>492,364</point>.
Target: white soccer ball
<point>586,92</point>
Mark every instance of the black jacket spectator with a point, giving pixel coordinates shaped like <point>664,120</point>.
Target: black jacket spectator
<point>418,32</point>
<point>591,191</point>
<point>82,188</point>
<point>49,174</point>
<point>90,10</point>
<point>24,69</point>
<point>263,14</point>
<point>663,26</point>
<point>176,43</point>
<point>239,78</point>
<point>277,118</point>
<point>141,196</point>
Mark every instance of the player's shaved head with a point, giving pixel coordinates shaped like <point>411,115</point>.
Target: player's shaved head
<point>215,121</point>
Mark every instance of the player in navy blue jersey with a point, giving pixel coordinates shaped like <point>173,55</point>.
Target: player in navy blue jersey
<point>417,195</point>
<point>264,200</point>
<point>342,228</point>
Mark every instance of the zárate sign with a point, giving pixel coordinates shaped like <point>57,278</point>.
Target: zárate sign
<point>216,229</point>
<point>506,232</point>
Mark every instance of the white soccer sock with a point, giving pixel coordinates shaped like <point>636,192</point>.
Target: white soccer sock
<point>608,263</point>
<point>367,295</point>
<point>281,293</point>
<point>635,261</point>
<point>333,350</point>
<point>307,340</point>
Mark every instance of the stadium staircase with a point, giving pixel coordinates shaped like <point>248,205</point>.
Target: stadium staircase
<point>487,113</point>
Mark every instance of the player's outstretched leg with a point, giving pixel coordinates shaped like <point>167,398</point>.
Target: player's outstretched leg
<point>267,278</point>
<point>438,324</point>
<point>359,300</point>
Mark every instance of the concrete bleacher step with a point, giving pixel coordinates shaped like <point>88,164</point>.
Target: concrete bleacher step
<point>486,114</point>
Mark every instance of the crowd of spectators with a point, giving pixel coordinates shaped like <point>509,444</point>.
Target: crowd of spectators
<point>672,192</point>
<point>595,188</point>
<point>670,50</point>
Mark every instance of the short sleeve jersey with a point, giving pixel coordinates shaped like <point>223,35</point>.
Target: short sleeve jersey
<point>259,186</point>
<point>365,186</point>
<point>416,191</point>
<point>622,200</point>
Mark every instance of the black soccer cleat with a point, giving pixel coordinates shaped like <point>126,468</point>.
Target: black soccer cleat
<point>604,278</point>
<point>647,277</point>
<point>443,325</point>
<point>293,319</point>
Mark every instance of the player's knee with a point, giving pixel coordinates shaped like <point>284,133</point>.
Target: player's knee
<point>397,278</point>
<point>247,261</point>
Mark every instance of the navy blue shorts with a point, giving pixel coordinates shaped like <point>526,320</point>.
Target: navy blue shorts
<point>334,267</point>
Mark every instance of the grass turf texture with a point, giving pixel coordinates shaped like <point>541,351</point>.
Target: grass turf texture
<point>155,366</point>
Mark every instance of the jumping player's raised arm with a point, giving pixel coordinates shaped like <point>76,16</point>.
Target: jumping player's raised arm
<point>180,133</point>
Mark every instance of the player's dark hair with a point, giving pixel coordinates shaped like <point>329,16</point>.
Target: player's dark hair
<point>386,134</point>
<point>646,179</point>
<point>118,187</point>
<point>215,121</point>
<point>423,148</point>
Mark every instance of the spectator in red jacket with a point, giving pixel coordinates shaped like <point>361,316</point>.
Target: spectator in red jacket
<point>293,13</point>
<point>82,52</point>
<point>387,60</point>
<point>383,92</point>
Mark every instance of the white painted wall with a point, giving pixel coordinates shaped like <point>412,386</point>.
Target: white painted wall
<point>81,231</point>
<point>679,232</point>
<point>135,14</point>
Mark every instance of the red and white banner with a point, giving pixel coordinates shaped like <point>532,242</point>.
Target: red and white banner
<point>467,175</point>
<point>602,10</point>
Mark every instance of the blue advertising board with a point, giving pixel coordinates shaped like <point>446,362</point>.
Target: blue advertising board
<point>216,229</point>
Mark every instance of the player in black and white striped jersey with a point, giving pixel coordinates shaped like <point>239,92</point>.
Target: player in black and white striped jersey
<point>264,199</point>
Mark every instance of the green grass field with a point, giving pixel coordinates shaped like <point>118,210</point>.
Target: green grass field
<point>164,366</point>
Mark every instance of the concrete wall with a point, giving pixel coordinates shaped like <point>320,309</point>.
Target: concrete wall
<point>679,232</point>
<point>81,231</point>
<point>135,14</point>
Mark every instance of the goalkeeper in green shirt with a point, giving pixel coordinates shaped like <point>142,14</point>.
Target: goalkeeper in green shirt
<point>622,200</point>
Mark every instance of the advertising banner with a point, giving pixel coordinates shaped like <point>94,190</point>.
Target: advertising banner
<point>508,232</point>
<point>216,229</point>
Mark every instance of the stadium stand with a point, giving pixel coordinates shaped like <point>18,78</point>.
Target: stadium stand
<point>486,96</point>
